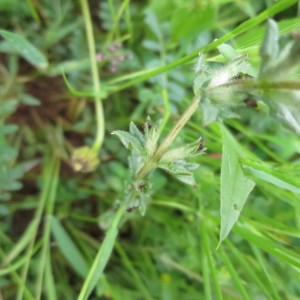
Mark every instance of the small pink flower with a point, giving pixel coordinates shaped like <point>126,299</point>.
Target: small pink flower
<point>121,58</point>
<point>99,57</point>
<point>129,56</point>
<point>112,48</point>
<point>118,45</point>
<point>113,68</point>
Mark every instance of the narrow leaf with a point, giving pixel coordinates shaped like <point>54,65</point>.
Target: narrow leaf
<point>268,175</point>
<point>103,255</point>
<point>235,186</point>
<point>18,44</point>
<point>68,248</point>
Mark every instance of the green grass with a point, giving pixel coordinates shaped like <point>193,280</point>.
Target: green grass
<point>231,232</point>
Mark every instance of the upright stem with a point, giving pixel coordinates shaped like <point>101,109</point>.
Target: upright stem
<point>149,166</point>
<point>95,75</point>
<point>177,127</point>
<point>261,85</point>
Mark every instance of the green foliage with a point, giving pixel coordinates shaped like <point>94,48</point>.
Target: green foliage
<point>220,213</point>
<point>15,43</point>
<point>9,173</point>
<point>145,156</point>
<point>235,186</point>
<point>68,248</point>
<point>280,61</point>
<point>268,174</point>
<point>203,13</point>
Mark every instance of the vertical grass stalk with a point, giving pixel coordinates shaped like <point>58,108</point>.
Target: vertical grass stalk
<point>45,253</point>
<point>95,76</point>
<point>102,257</point>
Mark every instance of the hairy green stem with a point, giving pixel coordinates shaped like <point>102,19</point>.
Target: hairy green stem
<point>95,75</point>
<point>261,85</point>
<point>161,150</point>
<point>176,129</point>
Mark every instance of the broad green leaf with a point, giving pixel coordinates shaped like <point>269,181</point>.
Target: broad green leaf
<point>68,248</point>
<point>188,20</point>
<point>16,43</point>
<point>235,186</point>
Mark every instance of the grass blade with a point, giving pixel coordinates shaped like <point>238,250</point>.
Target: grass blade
<point>68,248</point>
<point>102,257</point>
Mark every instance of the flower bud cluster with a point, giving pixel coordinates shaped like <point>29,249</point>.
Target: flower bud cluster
<point>115,56</point>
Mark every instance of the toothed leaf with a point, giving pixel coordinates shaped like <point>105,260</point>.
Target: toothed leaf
<point>181,170</point>
<point>129,141</point>
<point>185,151</point>
<point>136,133</point>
